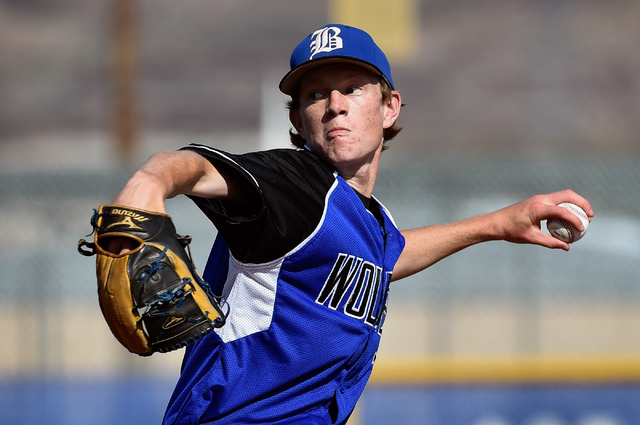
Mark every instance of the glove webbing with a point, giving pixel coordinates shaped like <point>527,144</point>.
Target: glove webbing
<point>177,293</point>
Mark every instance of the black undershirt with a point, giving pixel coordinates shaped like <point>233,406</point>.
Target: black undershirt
<point>373,208</point>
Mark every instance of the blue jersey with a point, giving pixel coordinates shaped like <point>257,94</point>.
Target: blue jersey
<point>305,268</point>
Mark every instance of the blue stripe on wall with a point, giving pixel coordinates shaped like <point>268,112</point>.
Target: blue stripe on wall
<point>136,401</point>
<point>121,401</point>
<point>502,405</point>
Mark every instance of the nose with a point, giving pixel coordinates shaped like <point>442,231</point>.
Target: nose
<point>336,104</point>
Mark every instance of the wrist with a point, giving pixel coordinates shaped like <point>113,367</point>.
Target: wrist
<point>144,191</point>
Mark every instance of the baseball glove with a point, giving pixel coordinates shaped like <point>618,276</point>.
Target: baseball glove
<point>152,297</point>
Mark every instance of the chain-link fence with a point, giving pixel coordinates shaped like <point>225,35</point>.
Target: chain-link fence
<point>491,299</point>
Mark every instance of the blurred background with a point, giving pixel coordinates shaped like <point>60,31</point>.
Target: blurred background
<point>504,99</point>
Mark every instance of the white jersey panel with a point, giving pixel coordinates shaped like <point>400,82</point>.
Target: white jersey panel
<point>250,292</point>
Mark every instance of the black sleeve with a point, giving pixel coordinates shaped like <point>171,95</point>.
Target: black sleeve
<point>285,191</point>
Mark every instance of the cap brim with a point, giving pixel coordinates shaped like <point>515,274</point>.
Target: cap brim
<point>290,81</point>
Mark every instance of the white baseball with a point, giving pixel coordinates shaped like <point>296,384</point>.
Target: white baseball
<point>564,230</point>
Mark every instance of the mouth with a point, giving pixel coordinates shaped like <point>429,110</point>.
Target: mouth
<point>336,132</point>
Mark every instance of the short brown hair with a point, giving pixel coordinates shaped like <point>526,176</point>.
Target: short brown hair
<point>388,133</point>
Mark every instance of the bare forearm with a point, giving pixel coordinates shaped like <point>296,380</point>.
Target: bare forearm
<point>518,223</point>
<point>426,246</point>
<point>167,174</point>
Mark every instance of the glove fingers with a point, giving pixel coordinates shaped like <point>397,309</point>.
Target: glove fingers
<point>114,294</point>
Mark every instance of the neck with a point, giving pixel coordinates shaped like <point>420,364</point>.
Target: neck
<point>361,178</point>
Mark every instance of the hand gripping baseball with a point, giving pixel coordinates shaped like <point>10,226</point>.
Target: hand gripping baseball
<point>523,220</point>
<point>151,296</point>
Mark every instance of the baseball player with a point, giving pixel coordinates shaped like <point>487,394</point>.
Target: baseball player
<point>305,253</point>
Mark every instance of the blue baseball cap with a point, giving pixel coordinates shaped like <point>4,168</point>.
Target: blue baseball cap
<point>335,43</point>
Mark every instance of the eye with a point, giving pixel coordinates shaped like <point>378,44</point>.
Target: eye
<point>315,95</point>
<point>353,90</point>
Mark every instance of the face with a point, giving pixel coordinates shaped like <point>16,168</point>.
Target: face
<point>341,114</point>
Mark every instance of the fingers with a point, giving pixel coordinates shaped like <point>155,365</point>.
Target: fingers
<point>551,242</point>
<point>120,246</point>
<point>550,210</point>
<point>570,196</point>
<point>524,227</point>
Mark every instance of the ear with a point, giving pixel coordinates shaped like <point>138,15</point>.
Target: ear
<point>296,120</point>
<point>392,109</point>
